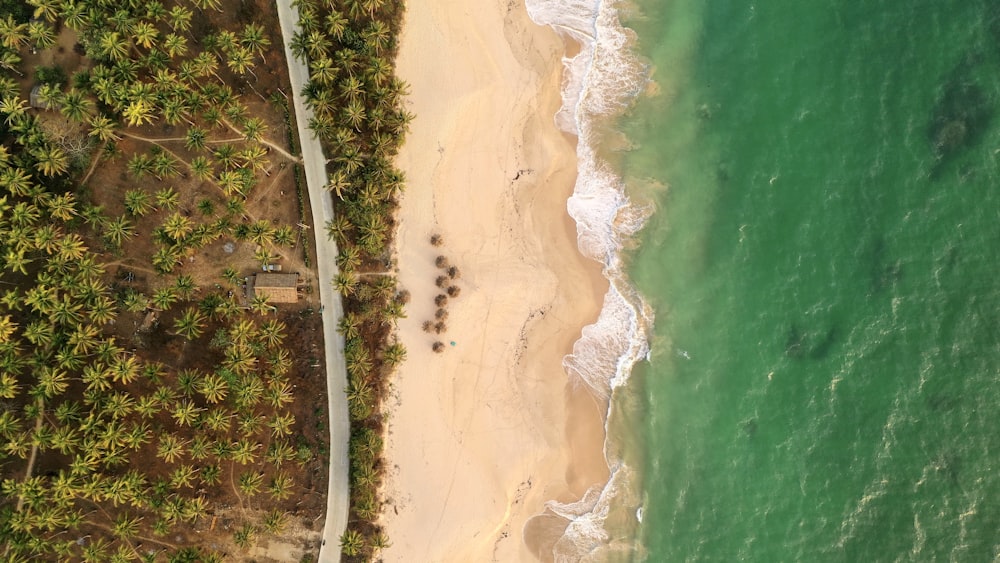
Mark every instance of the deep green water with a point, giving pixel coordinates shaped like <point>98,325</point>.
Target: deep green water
<point>825,375</point>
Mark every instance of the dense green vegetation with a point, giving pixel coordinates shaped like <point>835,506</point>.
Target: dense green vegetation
<point>350,46</point>
<point>114,450</point>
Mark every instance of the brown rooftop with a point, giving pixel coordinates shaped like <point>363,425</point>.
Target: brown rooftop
<point>279,288</point>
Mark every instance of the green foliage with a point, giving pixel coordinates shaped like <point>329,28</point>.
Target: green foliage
<point>352,543</point>
<point>53,75</point>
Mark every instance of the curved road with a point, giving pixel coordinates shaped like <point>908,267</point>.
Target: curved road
<point>338,493</point>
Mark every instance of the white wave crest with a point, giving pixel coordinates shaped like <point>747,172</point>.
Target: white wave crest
<point>586,537</point>
<point>598,83</point>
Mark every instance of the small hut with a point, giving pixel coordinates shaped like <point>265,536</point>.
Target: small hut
<point>279,288</point>
<point>36,100</point>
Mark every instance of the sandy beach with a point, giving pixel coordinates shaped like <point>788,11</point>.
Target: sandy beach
<point>482,434</point>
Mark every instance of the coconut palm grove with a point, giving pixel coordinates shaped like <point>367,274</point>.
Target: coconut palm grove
<point>154,406</point>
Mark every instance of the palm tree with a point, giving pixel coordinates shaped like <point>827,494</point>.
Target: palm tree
<point>352,543</point>
<point>175,45</point>
<point>281,486</point>
<point>138,202</point>
<point>245,536</point>
<point>218,419</point>
<point>147,406</point>
<point>183,476</point>
<point>255,157</point>
<point>354,113</point>
<point>186,413</point>
<point>139,165</point>
<point>322,125</point>
<point>345,283</point>
<point>394,354</point>
<point>48,9</point>
<point>125,369</point>
<point>167,198</point>
<point>323,71</point>
<point>360,399</point>
<point>201,167</point>
<point>102,311</point>
<point>213,387</point>
<point>15,180</point>
<point>336,24</point>
<point>166,259</point>
<point>179,18</point>
<point>103,128</point>
<point>74,15</point>
<point>177,226</point>
<point>195,138</point>
<point>139,112</point>
<point>278,393</point>
<point>145,34</point>
<point>253,38</point>
<point>10,60</point>
<point>378,35</point>
<point>259,304</point>
<point>118,230</point>
<point>75,106</point>
<point>62,206</point>
<point>316,43</point>
<point>210,475</point>
<point>164,165</point>
<point>243,451</point>
<point>250,482</point>
<point>51,160</point>
<point>185,286</point>
<point>170,448</point>
<point>191,324</point>
<point>114,45</point>
<point>163,298</point>
<point>351,159</point>
<point>281,425</point>
<point>12,34</point>
<point>240,61</point>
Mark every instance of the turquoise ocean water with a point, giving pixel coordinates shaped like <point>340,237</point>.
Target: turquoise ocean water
<point>824,375</point>
<point>820,183</point>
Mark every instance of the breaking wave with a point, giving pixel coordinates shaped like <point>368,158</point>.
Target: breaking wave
<point>599,82</point>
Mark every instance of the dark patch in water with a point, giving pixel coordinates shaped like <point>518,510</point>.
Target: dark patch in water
<point>815,345</point>
<point>991,17</point>
<point>949,465</point>
<point>793,342</point>
<point>750,427</point>
<point>884,273</point>
<point>822,348</point>
<point>960,117</point>
<point>942,402</point>
<point>950,259</point>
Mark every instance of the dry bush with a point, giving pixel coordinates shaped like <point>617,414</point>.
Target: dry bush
<point>453,272</point>
<point>442,281</point>
<point>437,240</point>
<point>454,290</point>
<point>428,326</point>
<point>441,262</point>
<point>441,314</point>
<point>403,297</point>
<point>441,300</point>
<point>440,327</point>
<point>438,347</point>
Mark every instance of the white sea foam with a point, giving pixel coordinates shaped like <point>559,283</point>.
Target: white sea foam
<point>586,538</point>
<point>599,82</point>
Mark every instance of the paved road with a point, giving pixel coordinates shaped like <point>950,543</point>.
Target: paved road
<point>338,493</point>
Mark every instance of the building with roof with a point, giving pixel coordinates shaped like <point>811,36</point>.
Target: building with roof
<point>279,288</point>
